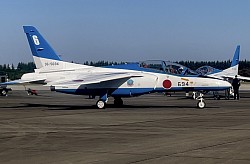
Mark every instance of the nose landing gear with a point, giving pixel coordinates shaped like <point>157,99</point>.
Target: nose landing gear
<point>201,103</point>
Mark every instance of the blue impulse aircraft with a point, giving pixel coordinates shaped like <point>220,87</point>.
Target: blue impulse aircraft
<point>127,81</point>
<point>226,74</point>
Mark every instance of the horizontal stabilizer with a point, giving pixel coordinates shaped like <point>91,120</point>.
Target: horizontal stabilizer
<point>243,78</point>
<point>20,81</point>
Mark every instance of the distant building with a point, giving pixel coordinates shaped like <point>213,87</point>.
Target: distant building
<point>3,77</point>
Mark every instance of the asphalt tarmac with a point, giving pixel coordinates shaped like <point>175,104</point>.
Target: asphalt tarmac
<point>67,129</point>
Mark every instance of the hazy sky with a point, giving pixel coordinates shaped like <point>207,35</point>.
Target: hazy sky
<point>127,30</point>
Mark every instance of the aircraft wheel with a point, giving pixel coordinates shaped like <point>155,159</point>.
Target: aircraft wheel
<point>4,92</point>
<point>100,104</point>
<point>118,102</point>
<point>201,104</point>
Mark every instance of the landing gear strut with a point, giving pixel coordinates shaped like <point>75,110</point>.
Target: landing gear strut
<point>201,103</point>
<point>101,103</point>
<point>118,101</point>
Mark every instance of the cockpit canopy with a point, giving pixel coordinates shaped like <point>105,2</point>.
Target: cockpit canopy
<point>168,67</point>
<point>205,70</point>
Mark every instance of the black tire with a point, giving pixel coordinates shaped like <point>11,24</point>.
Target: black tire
<point>118,102</point>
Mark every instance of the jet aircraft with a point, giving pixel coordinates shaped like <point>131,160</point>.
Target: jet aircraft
<point>127,81</point>
<point>226,74</point>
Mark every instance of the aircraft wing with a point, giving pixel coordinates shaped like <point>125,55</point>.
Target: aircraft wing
<point>20,81</point>
<point>93,79</point>
<point>13,82</point>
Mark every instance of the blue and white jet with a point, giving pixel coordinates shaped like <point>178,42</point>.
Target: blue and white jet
<point>226,74</point>
<point>127,81</point>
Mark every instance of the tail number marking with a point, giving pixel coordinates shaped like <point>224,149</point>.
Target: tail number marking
<point>35,39</point>
<point>51,63</point>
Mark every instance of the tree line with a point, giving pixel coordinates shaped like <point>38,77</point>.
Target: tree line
<point>244,65</point>
<point>16,73</point>
<point>22,68</point>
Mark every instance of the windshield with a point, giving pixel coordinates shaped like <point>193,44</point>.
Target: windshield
<point>153,64</point>
<point>167,67</point>
<point>204,70</point>
<point>175,68</point>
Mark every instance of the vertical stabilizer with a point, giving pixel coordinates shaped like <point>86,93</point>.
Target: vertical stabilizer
<point>233,69</point>
<point>42,52</point>
<point>44,56</point>
<point>236,57</point>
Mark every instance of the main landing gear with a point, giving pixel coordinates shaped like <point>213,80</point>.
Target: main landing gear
<point>4,91</point>
<point>101,103</point>
<point>118,101</point>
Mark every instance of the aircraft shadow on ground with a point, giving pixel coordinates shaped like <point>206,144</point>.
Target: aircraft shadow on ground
<point>50,107</point>
<point>109,106</point>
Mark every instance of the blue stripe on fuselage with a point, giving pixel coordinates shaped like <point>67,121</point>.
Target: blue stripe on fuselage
<point>122,92</point>
<point>130,92</point>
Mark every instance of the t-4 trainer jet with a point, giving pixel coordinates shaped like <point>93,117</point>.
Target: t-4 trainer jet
<point>138,79</point>
<point>226,74</point>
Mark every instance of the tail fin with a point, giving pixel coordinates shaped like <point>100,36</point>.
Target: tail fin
<point>40,49</point>
<point>44,56</point>
<point>233,69</point>
<point>236,57</point>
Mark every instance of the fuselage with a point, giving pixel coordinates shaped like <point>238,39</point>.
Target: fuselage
<point>146,81</point>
